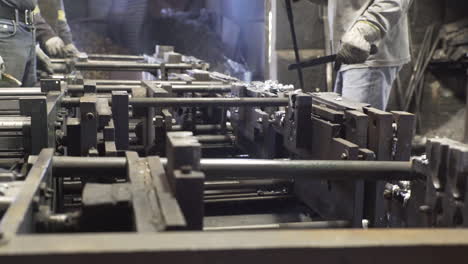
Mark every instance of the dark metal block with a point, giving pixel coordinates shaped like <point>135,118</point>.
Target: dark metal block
<point>120,116</point>
<point>88,124</point>
<point>73,136</point>
<point>48,85</point>
<point>170,210</point>
<point>189,189</point>
<point>89,87</point>
<point>405,129</point>
<point>357,124</point>
<point>106,207</point>
<point>103,111</point>
<point>146,212</point>
<point>36,108</point>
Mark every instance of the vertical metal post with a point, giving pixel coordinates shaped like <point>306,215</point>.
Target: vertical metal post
<point>121,119</point>
<point>294,39</point>
<point>186,180</point>
<point>89,124</point>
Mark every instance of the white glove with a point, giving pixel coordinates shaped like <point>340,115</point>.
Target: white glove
<point>357,42</point>
<point>44,60</point>
<point>55,46</point>
<point>70,50</point>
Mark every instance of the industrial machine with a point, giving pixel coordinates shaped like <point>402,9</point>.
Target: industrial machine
<point>186,165</point>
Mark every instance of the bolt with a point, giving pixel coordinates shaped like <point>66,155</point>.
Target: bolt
<point>186,169</point>
<point>344,156</point>
<point>90,116</point>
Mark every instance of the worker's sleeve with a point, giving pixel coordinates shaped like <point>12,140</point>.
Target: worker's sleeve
<point>43,30</point>
<point>385,14</point>
<point>63,29</point>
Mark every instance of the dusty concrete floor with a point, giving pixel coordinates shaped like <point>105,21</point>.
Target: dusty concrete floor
<point>453,128</point>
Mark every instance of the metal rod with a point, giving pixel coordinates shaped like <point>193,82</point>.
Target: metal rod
<point>241,195</point>
<point>136,82</point>
<point>22,91</point>
<point>311,169</point>
<point>204,102</point>
<point>210,193</point>
<point>243,169</point>
<point>299,225</point>
<point>130,66</point>
<point>64,166</point>
<point>115,57</point>
<point>240,184</point>
<point>194,102</point>
<point>177,88</point>
<point>294,39</point>
<point>202,128</point>
<point>249,199</point>
<point>211,139</point>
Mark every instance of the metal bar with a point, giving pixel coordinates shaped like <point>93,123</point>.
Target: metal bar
<point>22,91</point>
<point>19,217</point>
<point>205,102</point>
<point>291,246</point>
<point>212,139</point>
<point>176,88</point>
<point>217,196</point>
<point>310,169</point>
<point>115,57</point>
<point>249,199</point>
<point>130,66</point>
<point>136,82</point>
<point>66,165</point>
<point>217,169</point>
<point>195,102</point>
<point>203,128</point>
<point>235,184</point>
<point>294,39</point>
<point>298,225</point>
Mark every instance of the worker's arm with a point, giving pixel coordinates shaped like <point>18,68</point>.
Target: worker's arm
<point>44,31</point>
<point>385,14</point>
<point>46,36</point>
<point>64,31</point>
<point>371,27</point>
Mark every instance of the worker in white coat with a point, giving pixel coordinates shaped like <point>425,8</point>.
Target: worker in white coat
<point>356,25</point>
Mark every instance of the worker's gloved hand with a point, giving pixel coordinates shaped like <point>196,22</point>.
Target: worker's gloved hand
<point>356,43</point>
<point>70,50</point>
<point>43,61</point>
<point>55,47</point>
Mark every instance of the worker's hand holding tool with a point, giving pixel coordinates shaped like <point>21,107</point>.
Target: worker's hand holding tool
<point>357,43</point>
<point>43,60</point>
<point>70,50</point>
<point>55,46</point>
<point>7,80</point>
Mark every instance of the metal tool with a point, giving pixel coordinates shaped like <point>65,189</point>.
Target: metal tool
<point>10,80</point>
<point>294,39</point>
<point>324,60</point>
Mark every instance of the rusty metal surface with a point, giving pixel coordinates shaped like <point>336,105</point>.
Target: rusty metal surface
<point>332,246</point>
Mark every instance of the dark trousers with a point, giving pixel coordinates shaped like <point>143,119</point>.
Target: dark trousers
<point>18,50</point>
